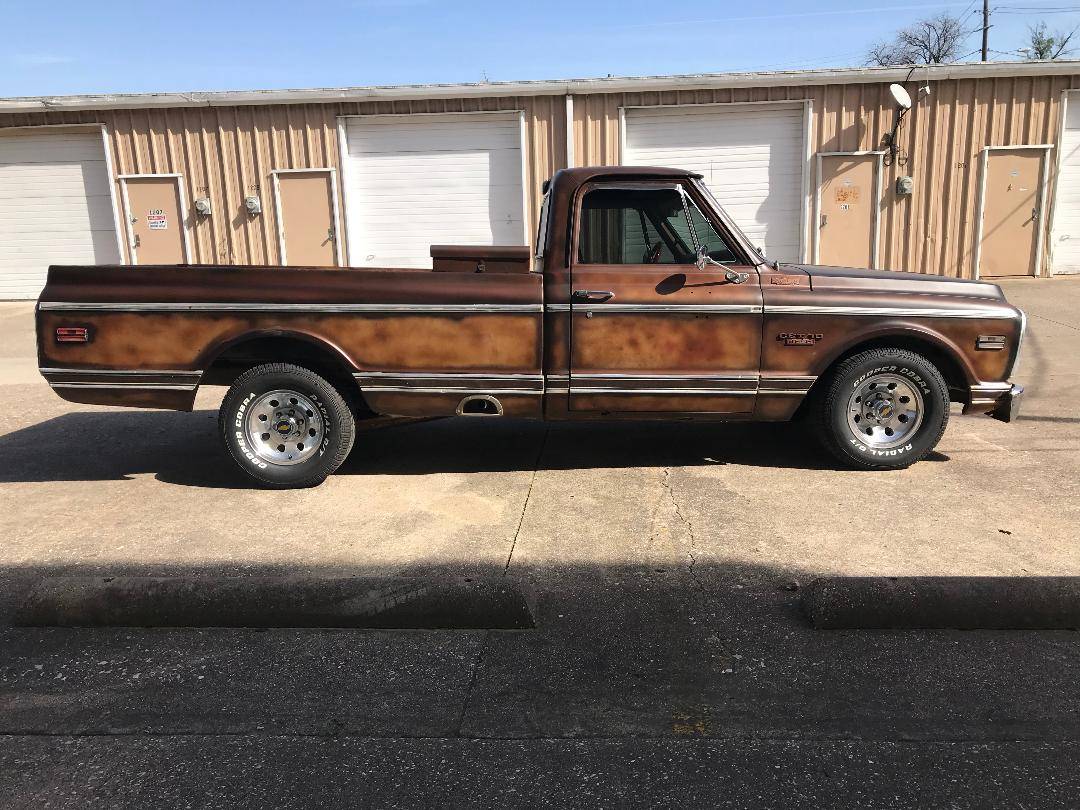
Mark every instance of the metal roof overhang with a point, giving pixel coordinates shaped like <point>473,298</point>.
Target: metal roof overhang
<point>559,87</point>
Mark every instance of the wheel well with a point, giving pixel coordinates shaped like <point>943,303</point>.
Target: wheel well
<point>941,357</point>
<point>245,354</point>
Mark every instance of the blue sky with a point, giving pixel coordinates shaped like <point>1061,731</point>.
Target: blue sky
<point>92,46</point>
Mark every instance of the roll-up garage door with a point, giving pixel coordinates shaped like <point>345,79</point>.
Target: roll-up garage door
<point>1065,245</point>
<point>55,207</point>
<point>752,158</point>
<point>414,181</point>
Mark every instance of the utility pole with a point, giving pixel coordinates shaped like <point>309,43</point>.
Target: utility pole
<point>986,29</point>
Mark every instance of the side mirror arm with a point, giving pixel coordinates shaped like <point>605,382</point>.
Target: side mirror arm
<point>704,260</point>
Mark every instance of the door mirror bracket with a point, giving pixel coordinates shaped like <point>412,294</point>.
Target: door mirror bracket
<point>704,260</point>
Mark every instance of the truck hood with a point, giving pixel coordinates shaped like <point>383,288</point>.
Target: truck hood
<point>852,278</point>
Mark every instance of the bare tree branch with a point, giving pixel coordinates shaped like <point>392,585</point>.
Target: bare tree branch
<point>931,41</point>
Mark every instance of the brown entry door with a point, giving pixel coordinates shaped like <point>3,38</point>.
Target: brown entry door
<point>1010,223</point>
<point>650,331</point>
<point>155,218</point>
<point>308,227</point>
<point>847,216</point>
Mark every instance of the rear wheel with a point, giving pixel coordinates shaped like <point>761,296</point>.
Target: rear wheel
<point>884,409</point>
<point>286,426</point>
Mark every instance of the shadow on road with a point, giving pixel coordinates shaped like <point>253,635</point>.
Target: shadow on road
<point>184,448</point>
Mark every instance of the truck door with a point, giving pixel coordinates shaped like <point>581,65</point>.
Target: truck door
<point>652,330</point>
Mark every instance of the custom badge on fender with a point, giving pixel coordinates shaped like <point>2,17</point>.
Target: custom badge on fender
<point>799,338</point>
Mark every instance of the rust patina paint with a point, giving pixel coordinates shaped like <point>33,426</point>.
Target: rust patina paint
<point>467,323</point>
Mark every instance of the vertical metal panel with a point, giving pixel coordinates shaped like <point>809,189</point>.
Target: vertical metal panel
<point>227,153</point>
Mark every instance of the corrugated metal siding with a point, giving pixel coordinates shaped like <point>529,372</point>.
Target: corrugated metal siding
<point>227,151</point>
<point>933,230</point>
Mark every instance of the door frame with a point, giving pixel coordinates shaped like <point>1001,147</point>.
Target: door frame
<point>274,174</point>
<point>879,169</point>
<point>980,206</point>
<point>185,241</point>
<point>1058,159</point>
<point>807,106</point>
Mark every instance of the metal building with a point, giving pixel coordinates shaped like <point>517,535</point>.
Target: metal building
<point>982,178</point>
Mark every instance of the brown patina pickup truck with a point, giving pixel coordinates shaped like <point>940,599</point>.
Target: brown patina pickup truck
<point>644,301</point>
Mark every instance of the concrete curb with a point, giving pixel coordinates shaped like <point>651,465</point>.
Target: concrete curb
<point>338,602</point>
<point>965,603</point>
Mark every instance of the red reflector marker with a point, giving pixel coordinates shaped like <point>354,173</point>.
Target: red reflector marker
<point>72,334</point>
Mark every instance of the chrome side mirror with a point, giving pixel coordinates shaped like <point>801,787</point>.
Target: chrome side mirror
<point>705,260</point>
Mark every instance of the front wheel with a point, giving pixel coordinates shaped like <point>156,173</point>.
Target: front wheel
<point>884,409</point>
<point>286,426</point>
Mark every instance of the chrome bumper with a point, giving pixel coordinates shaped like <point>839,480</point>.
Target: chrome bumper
<point>999,400</point>
<point>1001,403</point>
<point>1008,406</point>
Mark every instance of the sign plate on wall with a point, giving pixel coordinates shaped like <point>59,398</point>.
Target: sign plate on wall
<point>157,220</point>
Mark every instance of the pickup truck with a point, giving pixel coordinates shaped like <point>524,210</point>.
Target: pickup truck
<point>643,301</point>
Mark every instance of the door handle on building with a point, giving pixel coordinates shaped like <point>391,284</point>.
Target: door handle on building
<point>137,241</point>
<point>824,220</point>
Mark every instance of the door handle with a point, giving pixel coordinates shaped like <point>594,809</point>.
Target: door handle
<point>138,241</point>
<point>591,296</point>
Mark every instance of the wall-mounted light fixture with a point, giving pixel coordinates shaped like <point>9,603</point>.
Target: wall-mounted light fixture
<point>903,104</point>
<point>203,207</point>
<point>253,205</point>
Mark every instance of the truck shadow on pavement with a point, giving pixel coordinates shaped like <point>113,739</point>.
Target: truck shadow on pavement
<point>184,448</point>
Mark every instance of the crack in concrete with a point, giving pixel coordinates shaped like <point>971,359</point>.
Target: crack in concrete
<point>528,495</point>
<point>472,682</point>
<point>691,549</point>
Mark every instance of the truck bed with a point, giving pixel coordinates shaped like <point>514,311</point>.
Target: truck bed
<point>415,342</point>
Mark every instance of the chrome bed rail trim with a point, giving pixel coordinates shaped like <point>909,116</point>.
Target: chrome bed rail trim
<point>66,306</point>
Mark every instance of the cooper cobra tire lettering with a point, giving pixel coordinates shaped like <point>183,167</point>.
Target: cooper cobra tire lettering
<point>338,427</point>
<point>843,381</point>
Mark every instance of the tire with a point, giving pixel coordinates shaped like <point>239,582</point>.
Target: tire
<point>883,409</point>
<point>285,426</point>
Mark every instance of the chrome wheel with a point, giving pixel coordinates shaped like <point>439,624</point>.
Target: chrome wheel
<point>284,427</point>
<point>884,411</point>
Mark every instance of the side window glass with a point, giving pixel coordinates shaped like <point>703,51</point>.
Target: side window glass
<point>542,229</point>
<point>634,226</point>
<point>706,234</point>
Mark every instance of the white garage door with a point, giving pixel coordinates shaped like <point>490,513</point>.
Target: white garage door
<point>752,159</point>
<point>415,181</point>
<point>1066,232</point>
<point>55,207</point>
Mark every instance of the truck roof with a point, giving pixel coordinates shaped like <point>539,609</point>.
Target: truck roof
<point>575,177</point>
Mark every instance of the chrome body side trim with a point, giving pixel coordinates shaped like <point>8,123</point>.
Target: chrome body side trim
<point>907,312</point>
<point>648,309</point>
<point>405,309</point>
<point>742,392</point>
<point>146,372</point>
<point>137,386</point>
<point>416,389</point>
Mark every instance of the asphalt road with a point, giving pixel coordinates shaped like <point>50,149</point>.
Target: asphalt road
<point>662,565</point>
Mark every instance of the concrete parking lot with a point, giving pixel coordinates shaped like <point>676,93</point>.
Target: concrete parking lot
<point>663,563</point>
